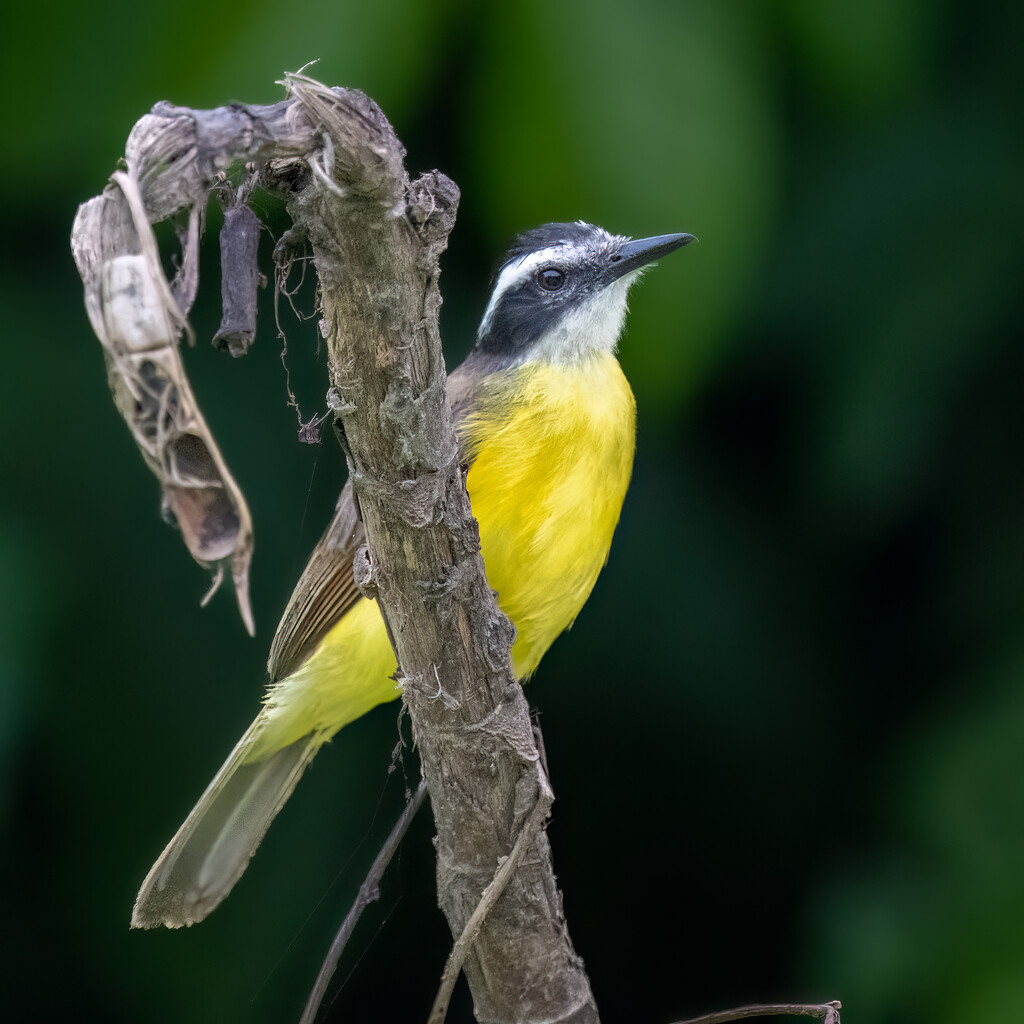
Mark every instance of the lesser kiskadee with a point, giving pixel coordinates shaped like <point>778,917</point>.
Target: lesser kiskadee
<point>546,424</point>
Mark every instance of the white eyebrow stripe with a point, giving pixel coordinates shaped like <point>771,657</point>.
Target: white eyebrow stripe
<point>516,272</point>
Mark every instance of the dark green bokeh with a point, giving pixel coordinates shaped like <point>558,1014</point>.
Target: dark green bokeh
<point>786,733</point>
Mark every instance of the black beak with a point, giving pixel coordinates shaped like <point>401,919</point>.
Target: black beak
<point>638,253</point>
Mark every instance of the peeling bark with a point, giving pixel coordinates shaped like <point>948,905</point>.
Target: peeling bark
<point>376,239</point>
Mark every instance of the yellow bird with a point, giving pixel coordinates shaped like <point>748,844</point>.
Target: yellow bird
<point>546,423</point>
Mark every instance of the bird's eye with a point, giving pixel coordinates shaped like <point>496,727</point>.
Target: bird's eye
<point>550,279</point>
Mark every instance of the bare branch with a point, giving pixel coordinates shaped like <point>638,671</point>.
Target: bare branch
<point>387,375</point>
<point>491,894</point>
<point>376,239</point>
<point>369,892</point>
<point>827,1013</point>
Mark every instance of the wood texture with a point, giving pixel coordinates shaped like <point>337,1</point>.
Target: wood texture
<point>376,238</point>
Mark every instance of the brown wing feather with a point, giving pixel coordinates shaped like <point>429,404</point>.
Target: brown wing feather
<point>327,589</point>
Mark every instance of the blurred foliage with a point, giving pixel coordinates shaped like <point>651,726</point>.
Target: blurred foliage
<point>787,732</point>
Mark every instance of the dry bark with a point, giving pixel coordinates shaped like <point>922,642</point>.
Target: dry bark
<point>376,238</point>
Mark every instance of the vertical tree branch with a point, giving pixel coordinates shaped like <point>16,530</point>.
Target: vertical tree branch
<point>376,240</point>
<point>387,375</point>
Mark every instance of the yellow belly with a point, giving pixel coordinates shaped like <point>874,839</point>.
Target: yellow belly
<point>552,451</point>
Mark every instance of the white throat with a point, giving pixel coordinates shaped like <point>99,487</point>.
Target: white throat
<point>588,329</point>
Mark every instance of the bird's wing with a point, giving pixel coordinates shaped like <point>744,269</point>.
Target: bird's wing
<point>325,591</point>
<point>327,588</point>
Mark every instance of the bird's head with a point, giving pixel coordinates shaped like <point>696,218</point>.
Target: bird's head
<point>560,294</point>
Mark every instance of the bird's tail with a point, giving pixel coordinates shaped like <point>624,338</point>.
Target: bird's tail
<point>212,848</point>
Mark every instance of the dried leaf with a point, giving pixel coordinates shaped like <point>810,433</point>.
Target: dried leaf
<point>139,323</point>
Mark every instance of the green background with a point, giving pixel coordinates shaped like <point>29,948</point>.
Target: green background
<point>786,733</point>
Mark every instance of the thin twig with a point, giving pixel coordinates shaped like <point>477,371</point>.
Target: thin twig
<point>369,892</point>
<point>489,897</point>
<point>827,1013</point>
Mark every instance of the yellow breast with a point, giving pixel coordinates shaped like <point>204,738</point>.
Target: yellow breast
<point>553,451</point>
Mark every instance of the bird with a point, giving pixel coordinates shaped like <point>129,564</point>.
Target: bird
<point>546,424</point>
